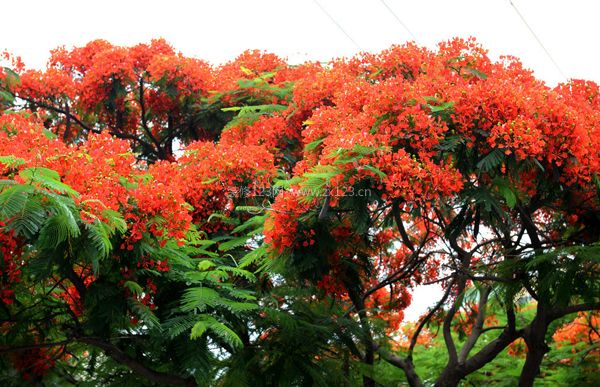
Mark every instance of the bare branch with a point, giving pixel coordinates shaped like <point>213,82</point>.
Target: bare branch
<point>424,321</point>
<point>558,313</point>
<point>478,326</point>
<point>400,225</point>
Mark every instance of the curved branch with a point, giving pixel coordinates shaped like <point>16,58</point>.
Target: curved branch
<point>491,350</point>
<point>422,323</point>
<point>56,109</point>
<point>35,346</point>
<point>406,365</point>
<point>558,313</point>
<point>121,357</point>
<point>478,327</point>
<point>446,329</point>
<point>84,126</point>
<point>400,225</point>
<point>144,120</point>
<point>530,227</point>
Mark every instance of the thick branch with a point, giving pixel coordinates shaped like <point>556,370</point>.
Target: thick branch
<point>558,313</point>
<point>35,346</point>
<point>121,357</point>
<point>76,281</point>
<point>535,338</point>
<point>404,272</point>
<point>68,123</point>
<point>477,328</point>
<point>490,351</point>
<point>87,127</point>
<point>56,109</point>
<point>400,225</point>
<point>358,303</point>
<point>446,329</point>
<point>406,365</point>
<point>531,228</point>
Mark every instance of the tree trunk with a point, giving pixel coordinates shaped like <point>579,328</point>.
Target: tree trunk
<point>535,338</point>
<point>369,356</point>
<point>449,378</point>
<point>531,369</point>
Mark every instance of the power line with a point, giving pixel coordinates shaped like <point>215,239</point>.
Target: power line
<point>400,21</point>
<point>538,39</point>
<point>337,24</point>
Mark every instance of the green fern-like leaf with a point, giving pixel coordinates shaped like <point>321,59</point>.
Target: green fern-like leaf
<point>206,322</point>
<point>134,287</point>
<point>199,328</point>
<point>114,220</point>
<point>56,230</point>
<point>11,161</point>
<point>491,160</point>
<point>236,271</point>
<point>255,256</point>
<point>145,314</point>
<point>46,178</point>
<point>14,199</point>
<point>251,224</point>
<point>179,325</point>
<point>236,307</point>
<point>233,243</point>
<point>30,219</point>
<point>199,298</point>
<point>98,236</point>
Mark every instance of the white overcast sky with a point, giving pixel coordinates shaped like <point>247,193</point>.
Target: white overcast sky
<point>219,30</point>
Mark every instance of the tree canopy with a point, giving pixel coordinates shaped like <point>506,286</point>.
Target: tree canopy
<point>165,221</point>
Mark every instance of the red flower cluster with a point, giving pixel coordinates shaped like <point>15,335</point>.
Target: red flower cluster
<point>36,362</point>
<point>10,253</point>
<point>212,175</point>
<point>584,328</point>
<point>71,295</point>
<point>281,227</point>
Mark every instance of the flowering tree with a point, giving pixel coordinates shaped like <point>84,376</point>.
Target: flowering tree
<point>304,206</point>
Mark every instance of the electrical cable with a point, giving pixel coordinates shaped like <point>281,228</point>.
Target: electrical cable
<point>537,39</point>
<point>338,25</point>
<point>400,21</point>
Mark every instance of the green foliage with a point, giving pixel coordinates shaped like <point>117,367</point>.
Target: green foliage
<point>490,161</point>
<point>46,178</point>
<point>206,322</point>
<point>566,275</point>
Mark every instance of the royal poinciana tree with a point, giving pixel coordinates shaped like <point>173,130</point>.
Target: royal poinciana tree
<point>167,221</point>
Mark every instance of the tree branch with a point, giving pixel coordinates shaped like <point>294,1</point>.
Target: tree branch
<point>121,357</point>
<point>446,329</point>
<point>35,346</point>
<point>478,326</point>
<point>87,127</point>
<point>400,225</point>
<point>490,351</point>
<point>406,365</point>
<point>143,118</point>
<point>530,227</point>
<point>423,322</point>
<point>558,313</point>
